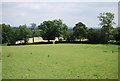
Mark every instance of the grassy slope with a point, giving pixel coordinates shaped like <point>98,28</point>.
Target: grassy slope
<point>0,62</point>
<point>65,61</point>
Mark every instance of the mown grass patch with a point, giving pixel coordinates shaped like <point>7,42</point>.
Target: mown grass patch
<point>60,61</point>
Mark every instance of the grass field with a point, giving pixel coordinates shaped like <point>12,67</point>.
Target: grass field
<point>60,61</point>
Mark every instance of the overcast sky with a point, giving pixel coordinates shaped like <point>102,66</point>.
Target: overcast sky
<point>19,13</point>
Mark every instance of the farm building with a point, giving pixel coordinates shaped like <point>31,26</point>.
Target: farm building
<point>30,40</point>
<point>37,39</point>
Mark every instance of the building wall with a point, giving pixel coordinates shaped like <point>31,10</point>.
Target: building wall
<point>37,39</point>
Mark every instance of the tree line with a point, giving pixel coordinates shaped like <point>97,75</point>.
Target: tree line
<point>50,29</point>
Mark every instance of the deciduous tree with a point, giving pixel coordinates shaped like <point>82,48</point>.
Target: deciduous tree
<point>51,29</point>
<point>80,31</point>
<point>106,21</point>
<point>24,33</point>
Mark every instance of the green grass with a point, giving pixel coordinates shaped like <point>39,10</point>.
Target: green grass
<point>0,62</point>
<point>60,61</point>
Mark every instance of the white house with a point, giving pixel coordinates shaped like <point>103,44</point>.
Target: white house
<point>37,39</point>
<point>30,40</point>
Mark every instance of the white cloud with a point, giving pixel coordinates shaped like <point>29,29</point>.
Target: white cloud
<point>70,13</point>
<point>30,6</point>
<point>0,12</point>
<point>23,14</point>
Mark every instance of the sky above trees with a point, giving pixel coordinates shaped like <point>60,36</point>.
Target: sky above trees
<point>18,13</point>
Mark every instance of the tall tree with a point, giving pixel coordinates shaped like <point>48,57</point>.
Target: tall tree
<point>117,34</point>
<point>70,36</point>
<point>52,29</point>
<point>8,34</point>
<point>106,21</point>
<point>80,31</point>
<point>33,25</point>
<point>0,34</point>
<point>24,33</point>
<point>94,36</point>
